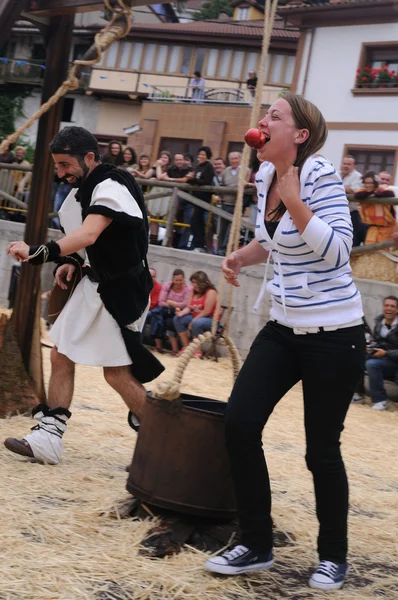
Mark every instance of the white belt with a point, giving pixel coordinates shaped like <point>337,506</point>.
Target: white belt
<point>305,330</point>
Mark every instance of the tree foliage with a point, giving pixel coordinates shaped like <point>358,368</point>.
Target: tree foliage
<point>11,106</point>
<point>211,9</point>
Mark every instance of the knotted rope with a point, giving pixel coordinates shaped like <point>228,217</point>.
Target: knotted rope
<point>117,28</point>
<point>170,390</point>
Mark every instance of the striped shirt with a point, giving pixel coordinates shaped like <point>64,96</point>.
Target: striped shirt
<point>312,284</point>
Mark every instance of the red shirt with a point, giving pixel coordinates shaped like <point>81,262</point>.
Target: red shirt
<point>154,295</point>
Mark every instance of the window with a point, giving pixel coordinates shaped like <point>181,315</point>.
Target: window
<point>378,66</point>
<point>235,147</point>
<point>161,59</point>
<point>149,56</point>
<point>372,159</point>
<point>252,61</point>
<point>199,59</point>
<point>276,68</point>
<point>136,56</point>
<point>79,51</point>
<point>243,14</point>
<point>223,66</point>
<point>174,58</point>
<point>111,54</point>
<point>212,58</point>
<point>237,64</point>
<point>387,56</point>
<point>290,63</point>
<point>125,55</point>
<point>67,110</point>
<point>180,145</point>
<point>186,60</point>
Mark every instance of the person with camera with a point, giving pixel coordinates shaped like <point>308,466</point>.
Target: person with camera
<point>382,352</point>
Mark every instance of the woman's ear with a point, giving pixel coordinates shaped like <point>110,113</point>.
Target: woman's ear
<point>301,136</point>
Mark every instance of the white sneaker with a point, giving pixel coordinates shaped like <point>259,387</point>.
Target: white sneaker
<point>45,442</point>
<point>380,405</point>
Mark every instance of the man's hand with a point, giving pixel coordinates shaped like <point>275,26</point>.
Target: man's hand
<point>64,275</point>
<point>18,250</point>
<point>378,353</point>
<point>231,267</point>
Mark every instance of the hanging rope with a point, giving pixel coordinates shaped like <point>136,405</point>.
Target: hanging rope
<point>233,241</point>
<point>170,390</point>
<point>117,28</point>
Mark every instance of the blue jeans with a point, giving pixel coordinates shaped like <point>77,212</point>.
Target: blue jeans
<point>378,369</point>
<point>198,325</point>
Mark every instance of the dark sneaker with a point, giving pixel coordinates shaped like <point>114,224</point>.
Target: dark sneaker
<point>240,560</point>
<point>329,575</point>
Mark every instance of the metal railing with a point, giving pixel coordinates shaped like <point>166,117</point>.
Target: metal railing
<point>31,71</point>
<point>208,95</point>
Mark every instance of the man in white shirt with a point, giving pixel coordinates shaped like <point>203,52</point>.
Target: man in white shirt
<point>352,181</point>
<point>229,178</point>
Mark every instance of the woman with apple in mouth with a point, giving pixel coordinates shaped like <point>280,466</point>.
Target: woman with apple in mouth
<point>315,334</point>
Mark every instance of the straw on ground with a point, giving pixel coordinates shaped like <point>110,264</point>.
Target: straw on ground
<point>60,539</point>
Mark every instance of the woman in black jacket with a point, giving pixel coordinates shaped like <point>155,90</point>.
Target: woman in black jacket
<point>202,175</point>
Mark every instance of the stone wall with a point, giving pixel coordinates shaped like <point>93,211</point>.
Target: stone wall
<point>244,323</point>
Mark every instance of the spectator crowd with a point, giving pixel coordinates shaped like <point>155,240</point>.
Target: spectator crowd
<point>196,227</point>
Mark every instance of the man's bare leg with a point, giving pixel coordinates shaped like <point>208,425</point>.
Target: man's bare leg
<point>131,390</point>
<point>45,442</point>
<point>62,381</point>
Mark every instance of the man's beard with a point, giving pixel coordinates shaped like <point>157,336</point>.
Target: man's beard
<point>78,180</point>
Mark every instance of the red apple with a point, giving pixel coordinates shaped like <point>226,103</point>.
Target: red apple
<point>255,138</point>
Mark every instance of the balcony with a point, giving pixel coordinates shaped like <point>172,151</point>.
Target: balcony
<point>31,72</point>
<point>171,88</point>
<point>209,95</point>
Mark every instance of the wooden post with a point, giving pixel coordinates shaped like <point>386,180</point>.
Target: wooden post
<point>59,37</point>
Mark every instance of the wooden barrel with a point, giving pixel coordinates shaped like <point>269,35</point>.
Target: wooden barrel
<point>180,460</point>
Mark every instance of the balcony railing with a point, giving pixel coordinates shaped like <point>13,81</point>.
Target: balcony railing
<point>209,95</point>
<point>31,72</point>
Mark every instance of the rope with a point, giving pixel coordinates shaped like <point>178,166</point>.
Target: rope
<point>170,390</point>
<point>114,30</point>
<point>233,241</point>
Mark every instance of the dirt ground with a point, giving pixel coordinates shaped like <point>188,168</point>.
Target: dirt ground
<point>62,537</point>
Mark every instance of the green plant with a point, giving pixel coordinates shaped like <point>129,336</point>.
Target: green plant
<point>165,96</point>
<point>11,106</point>
<point>365,76</point>
<point>384,75</point>
<point>212,9</point>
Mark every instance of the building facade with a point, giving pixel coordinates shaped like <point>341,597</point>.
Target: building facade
<point>347,64</point>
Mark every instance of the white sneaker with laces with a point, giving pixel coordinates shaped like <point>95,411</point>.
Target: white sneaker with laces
<point>240,560</point>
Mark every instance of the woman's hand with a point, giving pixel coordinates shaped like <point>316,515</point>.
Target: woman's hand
<point>171,303</point>
<point>231,267</point>
<point>18,250</point>
<point>288,186</point>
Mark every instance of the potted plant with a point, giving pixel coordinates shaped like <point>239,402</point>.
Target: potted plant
<point>365,77</point>
<point>384,77</point>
